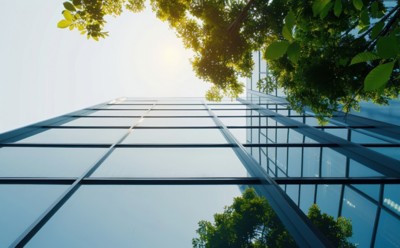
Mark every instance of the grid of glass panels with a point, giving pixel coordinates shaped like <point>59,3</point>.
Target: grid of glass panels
<point>161,165</point>
<point>346,167</point>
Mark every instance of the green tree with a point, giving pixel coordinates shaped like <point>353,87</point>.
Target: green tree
<point>251,223</point>
<point>325,54</point>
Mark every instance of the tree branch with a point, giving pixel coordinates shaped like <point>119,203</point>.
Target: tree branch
<point>235,25</point>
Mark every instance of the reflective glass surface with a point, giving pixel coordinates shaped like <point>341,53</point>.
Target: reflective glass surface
<point>134,216</point>
<point>87,121</point>
<point>175,136</point>
<point>178,113</point>
<point>194,106</point>
<point>172,162</point>
<point>130,106</point>
<point>20,205</point>
<point>177,122</point>
<point>118,113</point>
<point>76,135</point>
<point>47,162</point>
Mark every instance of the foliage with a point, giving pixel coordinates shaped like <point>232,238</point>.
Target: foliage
<point>325,54</point>
<point>251,223</point>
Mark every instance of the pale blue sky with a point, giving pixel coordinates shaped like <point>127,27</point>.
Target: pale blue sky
<point>46,71</point>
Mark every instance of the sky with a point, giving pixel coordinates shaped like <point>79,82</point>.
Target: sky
<point>46,71</point>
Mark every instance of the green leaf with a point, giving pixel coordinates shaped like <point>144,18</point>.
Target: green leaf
<point>378,77</point>
<point>364,57</point>
<point>325,11</point>
<point>63,24</point>
<point>293,52</point>
<point>377,29</point>
<point>276,50</point>
<point>68,16</point>
<point>387,47</point>
<point>358,4</point>
<point>69,6</point>
<point>287,33</point>
<point>76,2</point>
<point>290,20</point>
<point>337,9</point>
<point>364,17</point>
<point>318,6</point>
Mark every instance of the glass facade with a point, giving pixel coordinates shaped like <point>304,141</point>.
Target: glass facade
<point>141,172</point>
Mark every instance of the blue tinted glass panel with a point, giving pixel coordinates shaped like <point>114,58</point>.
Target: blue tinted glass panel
<point>328,198</point>
<point>293,192</point>
<point>311,162</point>
<point>333,163</point>
<point>129,106</point>
<point>131,216</point>
<point>362,214</point>
<point>76,135</point>
<point>158,106</point>
<point>21,205</point>
<point>172,162</point>
<point>231,112</point>
<point>47,162</point>
<point>234,121</point>
<point>371,190</point>
<point>175,136</point>
<point>240,134</point>
<point>388,231</point>
<point>306,197</point>
<point>177,122</point>
<point>87,121</point>
<point>295,158</point>
<point>391,198</point>
<point>118,113</point>
<point>178,113</point>
<point>360,170</point>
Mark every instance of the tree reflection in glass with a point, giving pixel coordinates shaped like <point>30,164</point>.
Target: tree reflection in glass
<point>251,222</point>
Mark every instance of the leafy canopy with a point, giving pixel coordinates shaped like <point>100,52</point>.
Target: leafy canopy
<point>325,54</point>
<point>251,223</point>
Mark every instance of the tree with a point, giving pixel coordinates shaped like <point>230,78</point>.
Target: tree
<point>251,223</point>
<point>325,54</point>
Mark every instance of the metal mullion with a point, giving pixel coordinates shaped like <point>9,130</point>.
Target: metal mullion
<point>127,127</point>
<point>172,145</point>
<point>374,160</point>
<point>58,145</point>
<point>171,181</point>
<point>335,180</point>
<point>293,219</point>
<point>38,180</point>
<point>377,216</point>
<point>27,235</point>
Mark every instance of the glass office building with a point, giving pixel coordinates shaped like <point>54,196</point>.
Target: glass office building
<point>143,172</point>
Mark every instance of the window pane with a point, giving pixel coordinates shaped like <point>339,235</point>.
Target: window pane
<point>172,162</point>
<point>391,198</point>
<point>175,136</point>
<point>228,106</point>
<point>46,162</point>
<point>158,106</point>
<point>328,198</point>
<point>178,113</point>
<point>129,106</point>
<point>388,231</point>
<point>234,121</point>
<point>138,113</point>
<point>87,121</point>
<point>362,213</point>
<point>21,205</point>
<point>134,216</point>
<point>76,135</point>
<point>178,122</point>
